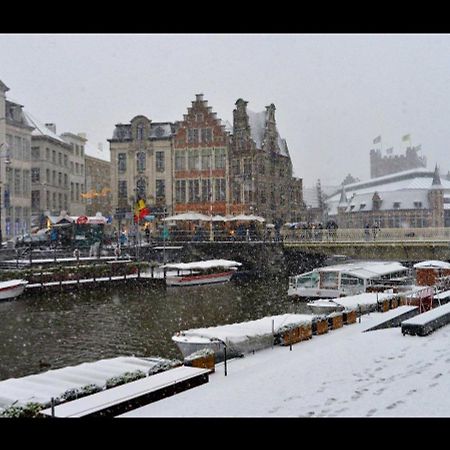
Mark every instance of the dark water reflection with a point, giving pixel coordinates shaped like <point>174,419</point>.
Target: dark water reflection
<point>52,331</point>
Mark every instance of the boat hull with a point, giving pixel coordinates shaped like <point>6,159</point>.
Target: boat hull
<point>12,291</point>
<point>199,279</point>
<point>325,309</point>
<point>315,293</point>
<point>187,347</point>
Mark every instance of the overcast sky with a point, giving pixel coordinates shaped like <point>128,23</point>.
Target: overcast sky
<point>334,93</point>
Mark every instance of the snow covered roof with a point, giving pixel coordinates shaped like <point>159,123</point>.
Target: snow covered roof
<point>238,332</point>
<point>432,264</point>
<point>404,199</point>
<point>257,122</point>
<point>410,179</point>
<point>366,269</point>
<point>366,298</point>
<point>158,130</point>
<point>42,387</point>
<point>408,189</point>
<point>40,129</point>
<point>203,265</point>
<point>228,126</point>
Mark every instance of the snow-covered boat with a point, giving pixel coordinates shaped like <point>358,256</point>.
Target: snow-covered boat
<point>11,288</point>
<point>348,279</point>
<point>201,272</point>
<point>325,306</point>
<point>239,338</point>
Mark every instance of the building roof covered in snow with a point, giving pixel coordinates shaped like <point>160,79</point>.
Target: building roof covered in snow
<point>42,130</point>
<point>403,190</point>
<point>158,130</point>
<point>257,122</point>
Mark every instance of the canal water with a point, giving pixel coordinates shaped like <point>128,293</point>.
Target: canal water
<point>50,331</point>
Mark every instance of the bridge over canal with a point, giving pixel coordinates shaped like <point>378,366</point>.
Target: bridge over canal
<point>299,250</point>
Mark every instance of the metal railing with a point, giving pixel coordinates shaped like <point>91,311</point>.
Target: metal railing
<point>385,235</point>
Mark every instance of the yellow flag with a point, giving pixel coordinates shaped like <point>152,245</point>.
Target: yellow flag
<point>141,204</point>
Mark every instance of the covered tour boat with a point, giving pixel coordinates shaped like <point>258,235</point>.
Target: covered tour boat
<point>201,272</point>
<point>348,279</point>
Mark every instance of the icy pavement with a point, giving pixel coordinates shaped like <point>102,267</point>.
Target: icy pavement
<point>344,373</point>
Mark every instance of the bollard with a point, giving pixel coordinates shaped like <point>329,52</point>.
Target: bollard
<point>225,358</point>
<point>273,331</point>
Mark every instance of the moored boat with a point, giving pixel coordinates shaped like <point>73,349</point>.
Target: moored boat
<point>11,288</point>
<point>325,306</point>
<point>201,272</point>
<point>238,338</point>
<point>348,279</point>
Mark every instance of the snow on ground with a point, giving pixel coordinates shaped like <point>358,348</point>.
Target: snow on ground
<point>344,373</point>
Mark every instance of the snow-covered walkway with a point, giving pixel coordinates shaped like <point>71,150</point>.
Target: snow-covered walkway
<point>344,373</point>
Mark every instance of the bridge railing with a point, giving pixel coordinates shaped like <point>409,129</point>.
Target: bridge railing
<point>341,235</point>
<point>371,235</point>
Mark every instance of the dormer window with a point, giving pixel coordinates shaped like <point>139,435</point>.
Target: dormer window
<point>417,204</point>
<point>140,132</point>
<point>396,205</point>
<point>362,206</point>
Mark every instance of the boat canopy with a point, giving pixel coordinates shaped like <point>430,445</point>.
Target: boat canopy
<point>203,265</point>
<point>367,270</point>
<point>432,264</point>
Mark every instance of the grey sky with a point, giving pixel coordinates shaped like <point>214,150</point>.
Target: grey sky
<point>333,93</point>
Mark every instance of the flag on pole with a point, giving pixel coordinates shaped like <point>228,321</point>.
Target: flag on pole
<point>406,137</point>
<point>377,140</point>
<point>140,210</point>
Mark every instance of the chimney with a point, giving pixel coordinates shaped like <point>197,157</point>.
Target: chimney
<point>199,97</point>
<point>51,127</point>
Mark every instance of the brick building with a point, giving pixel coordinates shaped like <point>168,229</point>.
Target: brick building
<point>201,172</point>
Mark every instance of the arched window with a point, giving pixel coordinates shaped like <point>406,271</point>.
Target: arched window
<point>141,188</point>
<point>140,132</point>
<point>140,161</point>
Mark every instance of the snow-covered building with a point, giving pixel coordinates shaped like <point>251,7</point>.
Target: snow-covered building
<point>262,179</point>
<point>15,170</point>
<point>50,173</point>
<point>413,198</point>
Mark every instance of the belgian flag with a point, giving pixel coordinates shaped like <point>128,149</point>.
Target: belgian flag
<point>140,210</point>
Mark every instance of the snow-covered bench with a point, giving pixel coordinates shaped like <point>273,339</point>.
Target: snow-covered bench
<point>120,399</point>
<point>427,322</point>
